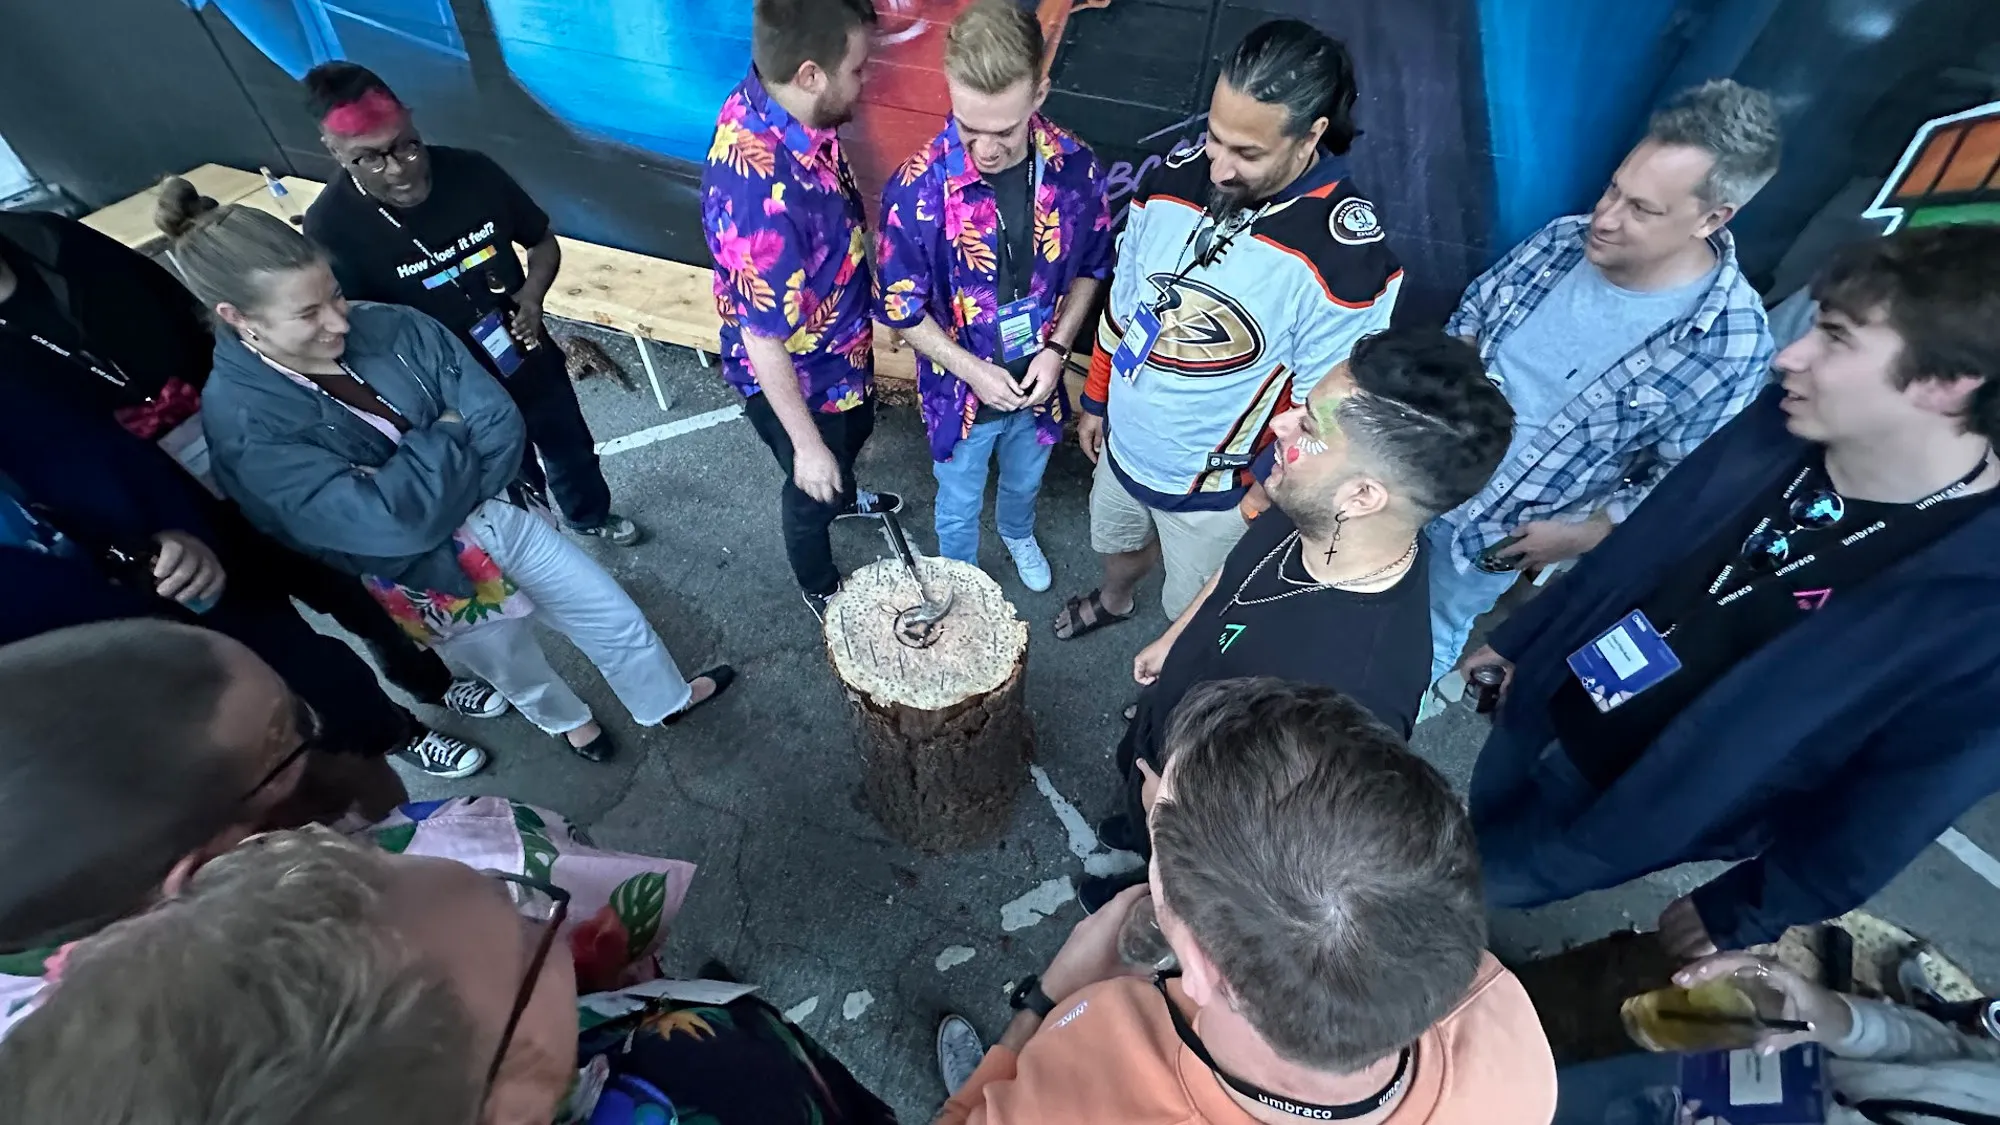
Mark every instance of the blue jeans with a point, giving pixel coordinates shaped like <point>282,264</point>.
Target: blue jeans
<point>1525,793</point>
<point>1457,599</point>
<point>961,484</point>
<point>1636,1089</point>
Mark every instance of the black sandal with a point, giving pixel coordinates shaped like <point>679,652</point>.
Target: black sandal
<point>722,674</point>
<point>1099,616</point>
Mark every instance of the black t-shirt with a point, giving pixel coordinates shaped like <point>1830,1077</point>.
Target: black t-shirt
<point>1015,274</point>
<point>441,255</point>
<point>1710,639</point>
<point>83,291</point>
<point>1375,648</point>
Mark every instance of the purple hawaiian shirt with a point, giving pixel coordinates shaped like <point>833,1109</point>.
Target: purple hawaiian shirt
<point>785,223</point>
<point>948,270</point>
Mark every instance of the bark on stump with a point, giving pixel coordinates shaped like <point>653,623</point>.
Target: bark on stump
<point>946,738</point>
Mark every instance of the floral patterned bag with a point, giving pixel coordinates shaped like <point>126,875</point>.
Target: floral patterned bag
<point>430,616</point>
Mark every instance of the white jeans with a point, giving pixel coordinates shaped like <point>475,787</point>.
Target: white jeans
<point>575,597</point>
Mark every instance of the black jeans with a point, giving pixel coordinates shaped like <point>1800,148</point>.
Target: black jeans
<point>259,565</point>
<point>558,438</point>
<point>803,518</point>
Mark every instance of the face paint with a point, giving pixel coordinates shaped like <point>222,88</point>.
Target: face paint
<point>1326,412</point>
<point>1308,446</point>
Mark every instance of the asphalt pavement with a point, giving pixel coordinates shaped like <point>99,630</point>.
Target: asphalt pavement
<point>864,941</point>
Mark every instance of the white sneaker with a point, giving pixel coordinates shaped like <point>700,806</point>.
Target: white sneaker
<point>1030,563</point>
<point>441,755</point>
<point>959,1051</point>
<point>475,699</point>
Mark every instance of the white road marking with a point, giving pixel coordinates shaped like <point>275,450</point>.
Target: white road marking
<point>857,1003</point>
<point>954,956</point>
<point>667,431</point>
<point>802,1009</point>
<point>1083,841</point>
<point>1037,904</point>
<point>1972,855</point>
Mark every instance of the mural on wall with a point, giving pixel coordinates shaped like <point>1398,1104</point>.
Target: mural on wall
<point>1481,119</point>
<point>604,110</point>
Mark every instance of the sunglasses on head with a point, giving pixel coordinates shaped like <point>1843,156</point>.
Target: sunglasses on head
<point>1771,547</point>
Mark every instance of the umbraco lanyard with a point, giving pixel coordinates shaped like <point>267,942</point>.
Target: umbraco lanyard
<point>457,276</point>
<point>1729,570</point>
<point>1006,255</point>
<point>114,374</point>
<point>397,418</point>
<point>1216,234</point>
<point>1346,1111</point>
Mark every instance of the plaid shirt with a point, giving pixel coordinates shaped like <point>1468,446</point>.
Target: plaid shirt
<point>1627,427</point>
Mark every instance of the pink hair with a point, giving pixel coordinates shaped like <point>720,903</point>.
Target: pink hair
<point>374,110</point>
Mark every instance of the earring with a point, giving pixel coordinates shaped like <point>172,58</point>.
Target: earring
<point>1332,544</point>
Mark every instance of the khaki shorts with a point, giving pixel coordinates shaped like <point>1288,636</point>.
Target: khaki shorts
<point>1193,545</point>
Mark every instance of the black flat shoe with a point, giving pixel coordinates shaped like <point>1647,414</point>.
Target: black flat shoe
<point>598,749</point>
<point>722,674</point>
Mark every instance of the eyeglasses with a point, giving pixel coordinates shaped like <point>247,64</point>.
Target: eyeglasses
<point>311,733</point>
<point>547,905</point>
<point>404,152</point>
<point>1771,548</point>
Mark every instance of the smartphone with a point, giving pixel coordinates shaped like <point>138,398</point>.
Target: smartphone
<point>1491,562</point>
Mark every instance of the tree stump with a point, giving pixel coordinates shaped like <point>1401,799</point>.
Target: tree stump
<point>946,738</point>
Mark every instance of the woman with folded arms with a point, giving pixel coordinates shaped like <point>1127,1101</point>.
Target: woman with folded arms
<point>365,435</point>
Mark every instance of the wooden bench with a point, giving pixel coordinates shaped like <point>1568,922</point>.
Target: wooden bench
<point>647,298</point>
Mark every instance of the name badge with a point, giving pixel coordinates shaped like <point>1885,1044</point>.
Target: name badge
<point>491,332</point>
<point>1137,346</point>
<point>1623,661</point>
<point>1020,324</point>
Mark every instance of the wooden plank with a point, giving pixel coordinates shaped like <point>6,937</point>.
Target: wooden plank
<point>671,302</point>
<point>130,220</point>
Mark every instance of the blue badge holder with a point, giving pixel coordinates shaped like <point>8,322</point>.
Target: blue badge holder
<point>1137,346</point>
<point>490,331</point>
<point>1623,661</point>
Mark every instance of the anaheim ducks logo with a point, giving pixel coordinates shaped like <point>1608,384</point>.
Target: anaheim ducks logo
<point>1203,331</point>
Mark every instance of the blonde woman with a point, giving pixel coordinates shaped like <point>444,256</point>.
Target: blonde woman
<point>367,436</point>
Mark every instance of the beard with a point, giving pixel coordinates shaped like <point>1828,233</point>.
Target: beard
<point>831,113</point>
<point>1225,200</point>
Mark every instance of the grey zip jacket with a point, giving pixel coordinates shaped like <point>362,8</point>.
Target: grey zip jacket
<point>310,474</point>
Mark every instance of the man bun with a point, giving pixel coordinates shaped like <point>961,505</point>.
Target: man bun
<point>181,207</point>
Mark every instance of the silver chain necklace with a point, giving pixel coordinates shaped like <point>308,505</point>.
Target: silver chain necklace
<point>1291,541</point>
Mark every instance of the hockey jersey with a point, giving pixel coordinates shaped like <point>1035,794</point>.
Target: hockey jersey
<point>1244,335</point>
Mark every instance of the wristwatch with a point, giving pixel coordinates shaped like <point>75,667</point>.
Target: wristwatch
<point>1029,997</point>
<point>1060,349</point>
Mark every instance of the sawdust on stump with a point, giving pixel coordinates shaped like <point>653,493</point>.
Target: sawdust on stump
<point>946,737</point>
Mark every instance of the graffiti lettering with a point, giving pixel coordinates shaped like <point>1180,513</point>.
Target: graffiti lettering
<point>1122,179</point>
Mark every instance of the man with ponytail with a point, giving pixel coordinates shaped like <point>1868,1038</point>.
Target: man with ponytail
<point>435,228</point>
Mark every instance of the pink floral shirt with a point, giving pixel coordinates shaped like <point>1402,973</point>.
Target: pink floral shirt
<point>785,223</point>
<point>948,270</point>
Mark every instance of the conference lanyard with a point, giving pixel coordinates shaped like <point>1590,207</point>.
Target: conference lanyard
<point>456,280</point>
<point>1311,1111</point>
<point>1216,236</point>
<point>115,375</point>
<point>1729,569</point>
<point>1006,255</point>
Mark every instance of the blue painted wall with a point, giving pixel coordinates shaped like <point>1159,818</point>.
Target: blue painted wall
<point>1568,86</point>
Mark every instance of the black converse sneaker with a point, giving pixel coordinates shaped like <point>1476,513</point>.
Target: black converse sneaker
<point>441,755</point>
<point>475,699</point>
